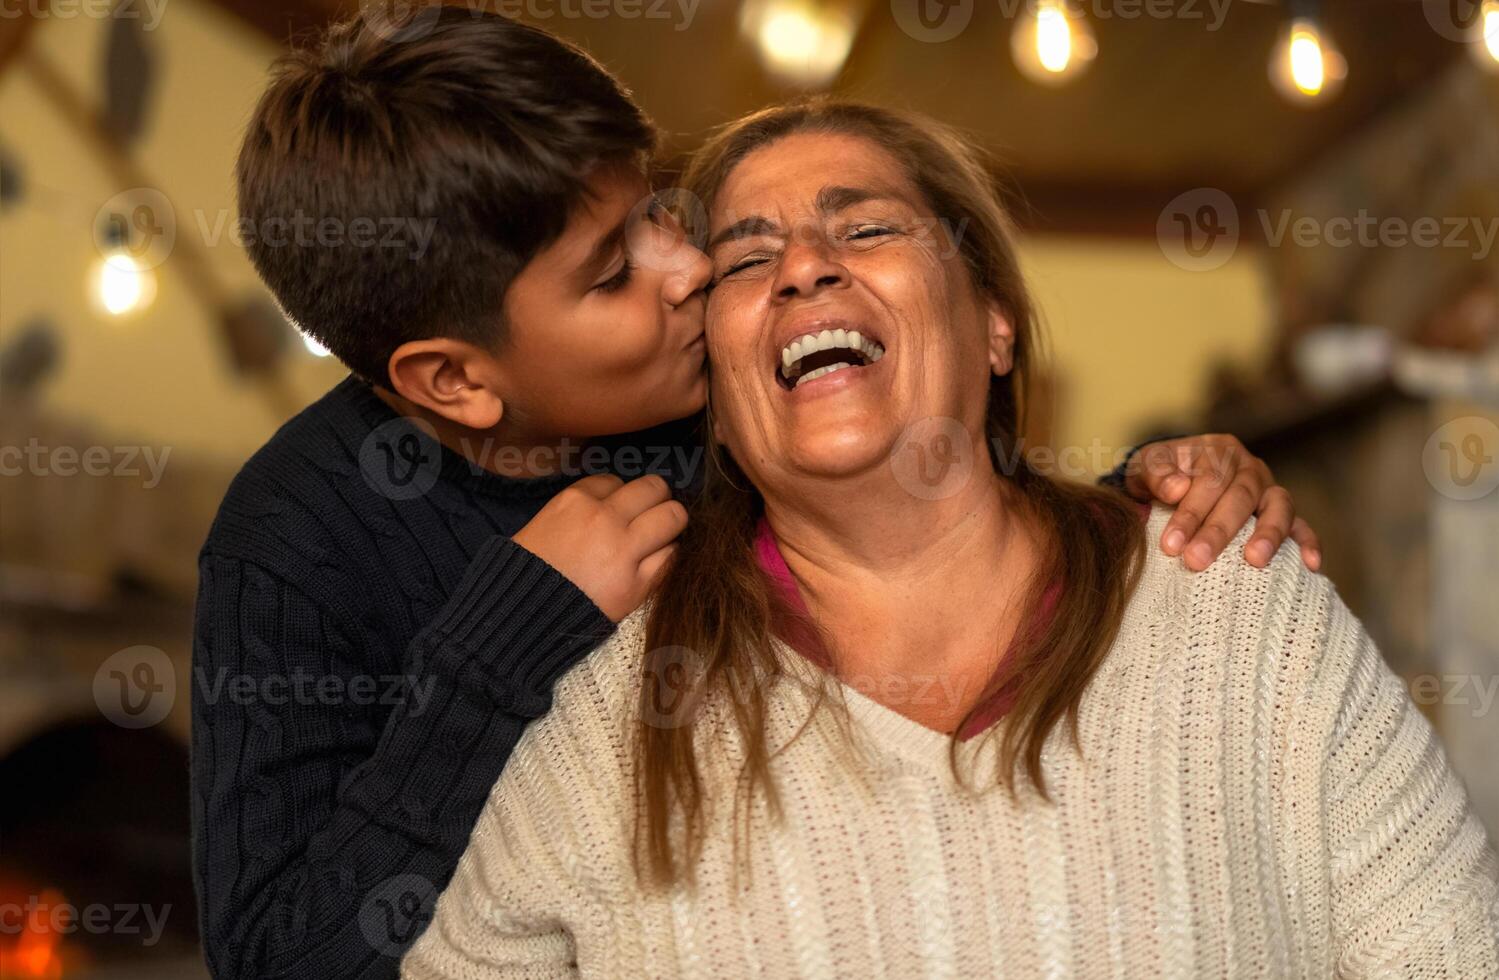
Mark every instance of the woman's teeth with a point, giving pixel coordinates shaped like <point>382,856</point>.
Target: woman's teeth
<point>819,372</point>
<point>862,351</point>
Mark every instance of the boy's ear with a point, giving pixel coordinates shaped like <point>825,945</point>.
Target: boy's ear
<point>1001,340</point>
<point>454,379</point>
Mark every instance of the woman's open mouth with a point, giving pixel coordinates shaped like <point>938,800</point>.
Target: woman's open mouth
<point>815,355</point>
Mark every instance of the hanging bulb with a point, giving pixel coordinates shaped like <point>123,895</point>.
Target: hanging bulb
<point>122,285</point>
<point>1305,66</point>
<point>1052,44</point>
<point>800,42</point>
<point>1485,46</point>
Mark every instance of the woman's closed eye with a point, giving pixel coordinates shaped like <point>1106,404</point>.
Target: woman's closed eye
<point>864,233</point>
<point>739,265</point>
<point>868,231</point>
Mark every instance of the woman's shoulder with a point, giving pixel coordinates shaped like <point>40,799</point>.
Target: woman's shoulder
<point>1234,628</point>
<point>1230,583</point>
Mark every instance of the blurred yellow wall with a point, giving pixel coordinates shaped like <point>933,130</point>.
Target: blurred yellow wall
<point>1132,334</point>
<point>1133,337</point>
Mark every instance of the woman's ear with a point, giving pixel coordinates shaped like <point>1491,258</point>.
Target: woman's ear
<point>451,378</point>
<point>1001,340</point>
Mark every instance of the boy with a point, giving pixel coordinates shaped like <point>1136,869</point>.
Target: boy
<point>414,557</point>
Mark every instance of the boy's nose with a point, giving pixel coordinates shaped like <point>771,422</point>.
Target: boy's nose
<point>691,274</point>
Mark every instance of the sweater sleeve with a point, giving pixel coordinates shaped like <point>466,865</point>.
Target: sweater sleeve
<point>1412,875</point>
<point>321,840</point>
<point>547,886</point>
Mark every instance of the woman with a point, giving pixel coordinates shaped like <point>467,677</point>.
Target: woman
<point>901,709</point>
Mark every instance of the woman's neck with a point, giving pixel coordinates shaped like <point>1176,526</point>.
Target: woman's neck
<point>918,597</point>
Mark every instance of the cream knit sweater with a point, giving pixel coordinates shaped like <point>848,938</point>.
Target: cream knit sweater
<point>1256,796</point>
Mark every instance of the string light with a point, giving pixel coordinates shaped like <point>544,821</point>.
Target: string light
<point>122,284</point>
<point>801,42</point>
<point>1051,43</point>
<point>1305,66</point>
<point>1485,45</point>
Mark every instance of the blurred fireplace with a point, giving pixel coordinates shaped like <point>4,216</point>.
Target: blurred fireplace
<point>94,870</point>
<point>94,807</point>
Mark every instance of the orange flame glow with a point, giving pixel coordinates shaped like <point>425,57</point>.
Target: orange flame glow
<point>35,951</point>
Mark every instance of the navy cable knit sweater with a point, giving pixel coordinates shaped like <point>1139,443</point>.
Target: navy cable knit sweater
<point>369,645</point>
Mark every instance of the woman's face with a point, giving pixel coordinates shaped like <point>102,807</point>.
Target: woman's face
<point>823,232</point>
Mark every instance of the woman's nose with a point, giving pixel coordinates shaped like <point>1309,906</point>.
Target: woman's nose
<point>806,267</point>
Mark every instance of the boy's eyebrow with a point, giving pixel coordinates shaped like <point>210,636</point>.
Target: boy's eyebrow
<point>830,200</point>
<point>603,250</point>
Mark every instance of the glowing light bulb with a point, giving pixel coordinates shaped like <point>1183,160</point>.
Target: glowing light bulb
<point>799,41</point>
<point>1486,47</point>
<point>1307,71</point>
<point>1051,44</point>
<point>122,284</point>
<point>1053,39</point>
<point>316,349</point>
<point>1305,66</point>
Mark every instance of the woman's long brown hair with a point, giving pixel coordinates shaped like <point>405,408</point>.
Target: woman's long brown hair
<point>709,631</point>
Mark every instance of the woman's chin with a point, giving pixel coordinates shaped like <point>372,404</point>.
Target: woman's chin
<point>833,453</point>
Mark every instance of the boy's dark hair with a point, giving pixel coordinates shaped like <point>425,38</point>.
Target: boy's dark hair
<point>469,127</point>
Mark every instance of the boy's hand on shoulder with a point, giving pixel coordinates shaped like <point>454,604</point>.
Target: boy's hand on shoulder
<point>612,539</point>
<point>1217,485</point>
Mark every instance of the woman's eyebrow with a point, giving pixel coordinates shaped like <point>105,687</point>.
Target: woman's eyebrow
<point>831,200</point>
<point>745,228</point>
